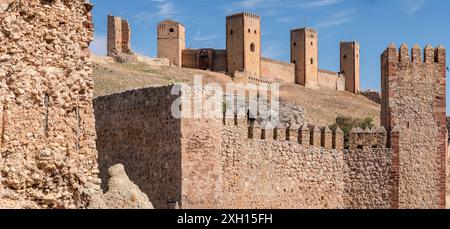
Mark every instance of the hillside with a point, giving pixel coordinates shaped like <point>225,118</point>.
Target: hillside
<point>322,106</point>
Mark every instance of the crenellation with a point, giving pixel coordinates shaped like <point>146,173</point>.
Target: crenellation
<point>280,133</point>
<point>327,138</point>
<point>416,54</point>
<point>305,135</point>
<point>404,54</point>
<point>338,139</point>
<point>316,136</point>
<point>292,133</point>
<point>428,54</point>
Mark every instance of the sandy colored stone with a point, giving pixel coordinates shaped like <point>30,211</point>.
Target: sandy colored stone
<point>122,193</point>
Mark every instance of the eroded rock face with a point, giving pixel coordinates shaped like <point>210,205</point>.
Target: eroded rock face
<point>47,132</point>
<point>122,193</point>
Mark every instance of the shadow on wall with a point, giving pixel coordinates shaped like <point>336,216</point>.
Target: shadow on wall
<point>136,129</point>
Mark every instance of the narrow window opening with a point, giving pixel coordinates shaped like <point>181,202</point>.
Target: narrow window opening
<point>231,32</point>
<point>172,30</point>
<point>295,43</point>
<point>252,47</point>
<point>312,61</point>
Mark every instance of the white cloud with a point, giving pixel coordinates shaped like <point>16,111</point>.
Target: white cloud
<point>412,6</point>
<point>338,18</point>
<point>98,45</point>
<point>202,38</point>
<point>164,10</point>
<point>318,4</point>
<point>286,19</point>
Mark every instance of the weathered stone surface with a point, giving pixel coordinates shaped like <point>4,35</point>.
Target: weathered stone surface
<point>47,146</point>
<point>122,193</point>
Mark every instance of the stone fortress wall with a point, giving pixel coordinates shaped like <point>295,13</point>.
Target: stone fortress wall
<point>47,133</point>
<point>231,163</point>
<point>243,55</point>
<point>237,163</point>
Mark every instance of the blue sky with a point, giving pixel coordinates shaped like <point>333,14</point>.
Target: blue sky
<point>374,23</point>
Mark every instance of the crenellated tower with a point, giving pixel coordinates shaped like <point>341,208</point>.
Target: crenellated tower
<point>349,59</point>
<point>244,43</point>
<point>305,55</point>
<point>171,41</point>
<point>414,110</point>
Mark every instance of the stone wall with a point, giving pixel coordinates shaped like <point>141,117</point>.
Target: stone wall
<point>48,156</point>
<point>136,129</point>
<point>372,95</point>
<point>413,106</point>
<point>277,71</point>
<point>331,80</point>
<point>214,163</point>
<point>119,35</point>
<point>369,182</point>
<point>205,59</point>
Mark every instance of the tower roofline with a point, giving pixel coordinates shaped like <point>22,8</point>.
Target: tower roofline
<point>244,14</point>
<point>171,21</point>
<point>300,29</point>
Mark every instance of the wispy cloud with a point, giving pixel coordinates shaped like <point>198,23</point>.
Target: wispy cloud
<point>204,38</point>
<point>98,45</point>
<point>318,4</point>
<point>286,19</point>
<point>412,6</point>
<point>273,50</point>
<point>338,18</point>
<point>164,9</point>
<point>269,6</point>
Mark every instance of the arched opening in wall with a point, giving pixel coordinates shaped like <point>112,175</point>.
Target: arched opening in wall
<point>345,57</point>
<point>231,32</point>
<point>312,61</point>
<point>172,30</point>
<point>252,47</point>
<point>312,43</point>
<point>255,31</point>
<point>249,31</point>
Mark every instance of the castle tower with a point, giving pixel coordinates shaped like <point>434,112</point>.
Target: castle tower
<point>171,41</point>
<point>350,65</point>
<point>413,109</point>
<point>305,55</point>
<point>114,45</point>
<point>244,43</point>
<point>119,34</point>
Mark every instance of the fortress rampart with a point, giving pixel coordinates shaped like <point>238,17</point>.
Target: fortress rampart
<point>234,163</point>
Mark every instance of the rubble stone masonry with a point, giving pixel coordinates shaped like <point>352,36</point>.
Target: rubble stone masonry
<point>47,133</point>
<point>214,163</point>
<point>413,104</point>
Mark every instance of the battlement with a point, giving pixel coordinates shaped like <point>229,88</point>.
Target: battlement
<point>243,14</point>
<point>348,42</point>
<point>312,30</point>
<point>415,55</point>
<point>368,138</point>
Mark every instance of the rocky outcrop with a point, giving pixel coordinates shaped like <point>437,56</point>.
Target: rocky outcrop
<point>122,193</point>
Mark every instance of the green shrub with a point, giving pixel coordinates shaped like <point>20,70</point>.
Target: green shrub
<point>346,124</point>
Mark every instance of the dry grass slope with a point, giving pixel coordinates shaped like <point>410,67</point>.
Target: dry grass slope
<point>322,106</point>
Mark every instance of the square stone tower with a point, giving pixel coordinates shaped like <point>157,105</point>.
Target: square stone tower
<point>171,41</point>
<point>244,43</point>
<point>350,65</point>
<point>119,34</point>
<point>305,56</point>
<point>413,108</point>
